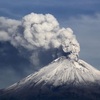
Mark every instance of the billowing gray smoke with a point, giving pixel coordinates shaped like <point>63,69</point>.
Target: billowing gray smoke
<point>39,37</point>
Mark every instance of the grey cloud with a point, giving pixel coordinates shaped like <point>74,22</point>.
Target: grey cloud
<point>60,9</point>
<point>87,30</point>
<point>4,36</point>
<point>38,33</point>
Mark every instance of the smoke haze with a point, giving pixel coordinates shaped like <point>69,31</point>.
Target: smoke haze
<point>39,36</point>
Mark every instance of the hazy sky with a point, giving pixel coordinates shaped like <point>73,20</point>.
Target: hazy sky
<point>83,17</point>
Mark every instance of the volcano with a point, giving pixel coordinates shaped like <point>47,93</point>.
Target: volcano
<point>62,79</point>
<point>65,78</point>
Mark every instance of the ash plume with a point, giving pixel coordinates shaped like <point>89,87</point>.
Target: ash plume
<point>39,38</point>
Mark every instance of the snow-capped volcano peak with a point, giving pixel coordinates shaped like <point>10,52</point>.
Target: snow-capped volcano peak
<point>63,78</point>
<point>61,71</point>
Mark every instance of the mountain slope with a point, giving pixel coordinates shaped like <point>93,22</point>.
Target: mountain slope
<point>62,71</point>
<point>61,79</point>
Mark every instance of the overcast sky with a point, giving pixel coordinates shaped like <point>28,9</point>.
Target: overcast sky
<point>83,17</point>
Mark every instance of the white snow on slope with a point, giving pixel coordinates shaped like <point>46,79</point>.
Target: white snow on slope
<point>61,71</point>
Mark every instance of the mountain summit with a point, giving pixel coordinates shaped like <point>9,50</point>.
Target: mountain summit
<point>62,79</point>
